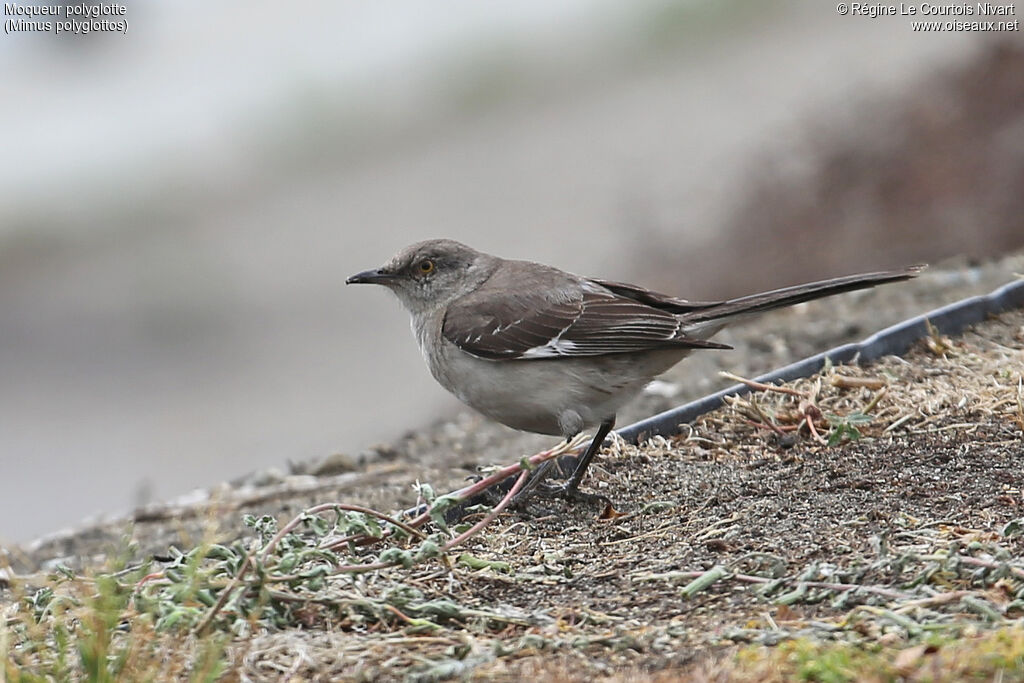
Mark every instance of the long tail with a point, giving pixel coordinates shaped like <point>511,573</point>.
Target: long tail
<point>788,296</point>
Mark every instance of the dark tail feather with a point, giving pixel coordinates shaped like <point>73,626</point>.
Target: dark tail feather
<point>788,296</point>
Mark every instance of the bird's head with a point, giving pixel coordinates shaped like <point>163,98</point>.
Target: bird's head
<point>430,274</point>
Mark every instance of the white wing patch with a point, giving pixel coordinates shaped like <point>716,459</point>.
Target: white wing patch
<point>555,347</point>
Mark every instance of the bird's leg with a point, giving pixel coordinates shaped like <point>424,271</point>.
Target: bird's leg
<point>572,486</point>
<point>537,478</point>
<point>537,483</point>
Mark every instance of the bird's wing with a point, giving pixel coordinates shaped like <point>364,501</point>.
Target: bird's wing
<point>572,318</point>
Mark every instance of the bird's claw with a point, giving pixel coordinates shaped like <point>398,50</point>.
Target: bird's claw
<point>571,494</point>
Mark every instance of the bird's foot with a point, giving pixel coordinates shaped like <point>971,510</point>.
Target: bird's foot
<point>571,494</point>
<point>538,487</point>
<point>536,484</point>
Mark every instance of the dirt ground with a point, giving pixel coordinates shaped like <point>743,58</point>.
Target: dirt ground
<point>729,534</point>
<point>873,540</point>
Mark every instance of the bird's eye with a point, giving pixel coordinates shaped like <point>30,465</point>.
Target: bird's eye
<point>426,266</point>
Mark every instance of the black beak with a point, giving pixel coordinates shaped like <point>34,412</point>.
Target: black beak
<point>372,277</point>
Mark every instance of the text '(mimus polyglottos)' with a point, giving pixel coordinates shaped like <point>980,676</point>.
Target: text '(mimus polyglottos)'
<point>546,351</point>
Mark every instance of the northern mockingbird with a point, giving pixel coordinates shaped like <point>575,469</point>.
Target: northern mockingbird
<point>546,351</point>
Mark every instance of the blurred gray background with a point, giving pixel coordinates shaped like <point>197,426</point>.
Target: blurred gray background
<point>180,206</point>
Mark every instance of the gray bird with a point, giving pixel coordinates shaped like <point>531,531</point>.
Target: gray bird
<point>542,350</point>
